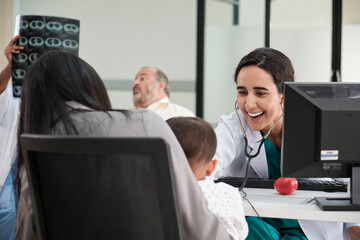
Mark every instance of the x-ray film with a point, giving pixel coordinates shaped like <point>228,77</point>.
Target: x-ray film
<point>39,34</point>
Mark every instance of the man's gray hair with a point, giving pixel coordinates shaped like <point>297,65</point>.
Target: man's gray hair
<point>163,78</point>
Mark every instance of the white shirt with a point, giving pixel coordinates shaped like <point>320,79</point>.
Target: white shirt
<point>167,110</point>
<point>225,201</point>
<point>230,149</point>
<point>9,116</point>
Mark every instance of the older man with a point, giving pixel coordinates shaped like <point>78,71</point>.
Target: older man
<point>151,90</point>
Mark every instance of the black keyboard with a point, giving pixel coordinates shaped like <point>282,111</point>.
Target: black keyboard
<point>303,184</point>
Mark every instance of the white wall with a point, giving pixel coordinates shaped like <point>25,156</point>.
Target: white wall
<point>224,48</point>
<point>118,37</point>
<point>225,45</point>
<point>6,27</point>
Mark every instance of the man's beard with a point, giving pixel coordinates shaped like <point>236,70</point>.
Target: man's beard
<point>145,96</point>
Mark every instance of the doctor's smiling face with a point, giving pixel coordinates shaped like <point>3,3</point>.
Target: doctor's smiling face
<point>258,98</point>
<point>260,78</point>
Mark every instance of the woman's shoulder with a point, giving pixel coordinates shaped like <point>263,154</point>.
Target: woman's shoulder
<point>139,114</point>
<point>144,112</point>
<point>134,115</point>
<point>139,121</point>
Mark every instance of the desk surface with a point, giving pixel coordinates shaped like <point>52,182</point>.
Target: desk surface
<point>298,205</point>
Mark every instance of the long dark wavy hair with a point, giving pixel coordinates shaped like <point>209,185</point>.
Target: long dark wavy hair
<point>55,78</point>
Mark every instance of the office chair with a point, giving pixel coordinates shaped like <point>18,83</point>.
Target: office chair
<point>101,187</point>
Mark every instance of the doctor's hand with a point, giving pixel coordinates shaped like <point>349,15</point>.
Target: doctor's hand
<point>6,72</point>
<point>354,233</point>
<point>12,49</point>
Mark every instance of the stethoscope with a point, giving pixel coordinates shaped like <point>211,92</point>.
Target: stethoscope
<point>261,142</point>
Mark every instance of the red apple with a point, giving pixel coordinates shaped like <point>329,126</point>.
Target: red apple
<point>286,185</point>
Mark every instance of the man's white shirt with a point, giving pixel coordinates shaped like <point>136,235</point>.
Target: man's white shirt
<point>167,110</point>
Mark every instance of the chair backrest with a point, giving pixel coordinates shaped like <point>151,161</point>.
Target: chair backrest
<point>101,187</point>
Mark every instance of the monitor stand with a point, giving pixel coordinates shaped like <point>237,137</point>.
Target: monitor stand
<point>344,204</point>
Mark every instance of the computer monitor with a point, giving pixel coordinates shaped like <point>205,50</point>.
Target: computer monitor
<point>321,136</point>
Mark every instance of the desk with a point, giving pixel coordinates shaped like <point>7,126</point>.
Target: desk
<point>298,205</point>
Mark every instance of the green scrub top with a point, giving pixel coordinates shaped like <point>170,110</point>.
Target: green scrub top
<point>283,229</point>
<point>273,159</point>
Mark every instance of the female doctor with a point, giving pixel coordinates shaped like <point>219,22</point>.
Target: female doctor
<point>257,127</point>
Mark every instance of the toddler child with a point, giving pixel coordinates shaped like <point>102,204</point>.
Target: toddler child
<point>198,140</point>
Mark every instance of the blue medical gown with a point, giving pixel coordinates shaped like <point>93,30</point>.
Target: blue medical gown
<point>7,209</point>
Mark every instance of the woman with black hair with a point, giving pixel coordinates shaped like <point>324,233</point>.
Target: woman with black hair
<point>63,95</point>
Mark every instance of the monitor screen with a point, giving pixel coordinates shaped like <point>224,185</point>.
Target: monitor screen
<point>321,132</point>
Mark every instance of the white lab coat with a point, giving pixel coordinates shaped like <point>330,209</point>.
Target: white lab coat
<point>232,162</point>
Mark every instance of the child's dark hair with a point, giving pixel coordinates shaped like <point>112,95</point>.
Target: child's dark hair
<point>196,137</point>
